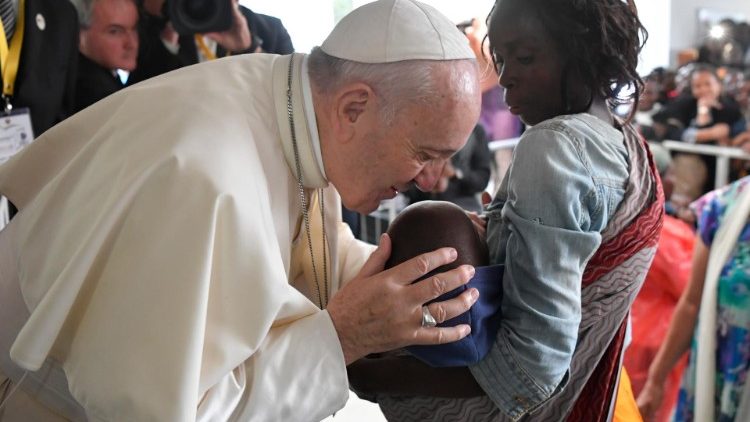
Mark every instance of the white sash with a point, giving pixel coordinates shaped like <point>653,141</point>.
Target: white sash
<point>721,249</point>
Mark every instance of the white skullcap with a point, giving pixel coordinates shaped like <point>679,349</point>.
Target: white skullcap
<point>387,31</point>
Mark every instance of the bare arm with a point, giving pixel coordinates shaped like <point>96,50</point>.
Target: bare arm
<point>718,131</point>
<point>742,140</point>
<point>679,335</point>
<point>404,375</point>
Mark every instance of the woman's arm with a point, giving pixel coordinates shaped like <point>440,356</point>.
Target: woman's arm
<point>404,375</point>
<point>679,335</point>
<point>718,132</point>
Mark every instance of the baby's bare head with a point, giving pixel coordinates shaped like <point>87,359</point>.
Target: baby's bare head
<point>425,226</point>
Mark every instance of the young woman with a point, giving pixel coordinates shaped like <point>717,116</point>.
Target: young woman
<point>575,221</point>
<point>577,216</point>
<point>731,315</point>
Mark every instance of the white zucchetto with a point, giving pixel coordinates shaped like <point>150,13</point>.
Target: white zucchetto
<point>388,31</point>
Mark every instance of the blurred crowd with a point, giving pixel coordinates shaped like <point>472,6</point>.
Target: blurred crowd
<point>704,101</point>
<point>71,54</point>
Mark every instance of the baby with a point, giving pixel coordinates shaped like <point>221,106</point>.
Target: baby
<point>437,371</point>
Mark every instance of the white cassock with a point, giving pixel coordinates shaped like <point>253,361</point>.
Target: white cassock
<point>157,253</point>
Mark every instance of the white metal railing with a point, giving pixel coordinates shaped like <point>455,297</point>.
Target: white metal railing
<point>722,154</point>
<point>503,144</point>
<point>4,212</point>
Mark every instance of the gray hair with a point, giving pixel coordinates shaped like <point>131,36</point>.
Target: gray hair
<point>398,85</point>
<point>85,9</point>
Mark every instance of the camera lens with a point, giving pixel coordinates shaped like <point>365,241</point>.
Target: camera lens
<point>199,10</point>
<point>200,16</point>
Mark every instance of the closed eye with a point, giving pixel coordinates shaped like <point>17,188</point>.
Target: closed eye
<point>425,157</point>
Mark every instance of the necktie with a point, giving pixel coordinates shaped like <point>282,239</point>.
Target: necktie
<point>8,15</point>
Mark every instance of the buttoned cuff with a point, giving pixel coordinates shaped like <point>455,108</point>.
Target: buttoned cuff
<point>508,385</point>
<point>172,47</point>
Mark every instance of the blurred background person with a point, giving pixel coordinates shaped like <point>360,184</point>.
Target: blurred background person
<point>496,119</point>
<point>742,96</point>
<point>704,116</point>
<point>108,42</point>
<point>655,303</point>
<point>648,105</point>
<point>163,49</point>
<point>730,313</point>
<point>39,72</point>
<point>464,177</point>
<point>48,39</point>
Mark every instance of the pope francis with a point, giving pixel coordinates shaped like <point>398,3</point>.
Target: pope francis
<point>178,253</point>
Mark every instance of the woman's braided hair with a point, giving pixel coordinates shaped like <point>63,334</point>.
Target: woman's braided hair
<point>600,38</point>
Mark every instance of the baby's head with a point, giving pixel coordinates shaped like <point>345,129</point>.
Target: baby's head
<point>428,225</point>
<point>556,57</point>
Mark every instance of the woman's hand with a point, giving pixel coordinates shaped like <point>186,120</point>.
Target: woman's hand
<point>742,140</point>
<point>238,36</point>
<point>650,399</point>
<point>480,224</point>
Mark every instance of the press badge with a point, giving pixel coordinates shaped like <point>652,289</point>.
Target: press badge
<point>15,132</point>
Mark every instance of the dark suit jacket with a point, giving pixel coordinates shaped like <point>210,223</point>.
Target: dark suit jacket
<point>94,83</point>
<point>154,59</point>
<point>49,59</point>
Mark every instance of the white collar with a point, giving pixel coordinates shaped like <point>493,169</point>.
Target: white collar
<point>312,123</point>
<point>303,114</point>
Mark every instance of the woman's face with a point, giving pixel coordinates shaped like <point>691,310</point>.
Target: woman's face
<point>529,64</point>
<point>649,96</point>
<point>705,85</point>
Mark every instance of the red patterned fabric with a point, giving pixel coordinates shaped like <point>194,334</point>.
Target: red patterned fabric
<point>642,233</point>
<point>595,400</point>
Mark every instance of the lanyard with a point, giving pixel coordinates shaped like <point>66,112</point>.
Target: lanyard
<point>207,53</point>
<point>10,57</point>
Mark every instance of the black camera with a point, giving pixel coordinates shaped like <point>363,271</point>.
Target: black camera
<point>465,24</point>
<point>199,16</point>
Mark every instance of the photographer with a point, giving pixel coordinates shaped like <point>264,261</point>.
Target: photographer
<point>163,49</point>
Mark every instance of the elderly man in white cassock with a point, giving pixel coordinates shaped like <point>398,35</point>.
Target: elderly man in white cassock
<point>179,255</point>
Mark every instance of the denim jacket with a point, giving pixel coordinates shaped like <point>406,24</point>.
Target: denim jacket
<point>566,180</point>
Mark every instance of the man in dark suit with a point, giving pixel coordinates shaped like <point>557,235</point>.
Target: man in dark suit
<point>163,50</point>
<point>48,62</point>
<point>108,41</point>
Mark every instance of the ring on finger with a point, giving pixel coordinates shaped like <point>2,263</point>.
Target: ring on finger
<point>427,319</point>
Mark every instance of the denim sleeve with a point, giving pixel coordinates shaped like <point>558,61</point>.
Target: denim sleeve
<point>541,230</point>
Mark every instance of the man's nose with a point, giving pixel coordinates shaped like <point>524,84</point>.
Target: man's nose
<point>428,177</point>
<point>132,40</point>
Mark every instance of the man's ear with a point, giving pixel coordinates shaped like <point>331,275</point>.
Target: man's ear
<point>352,105</point>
